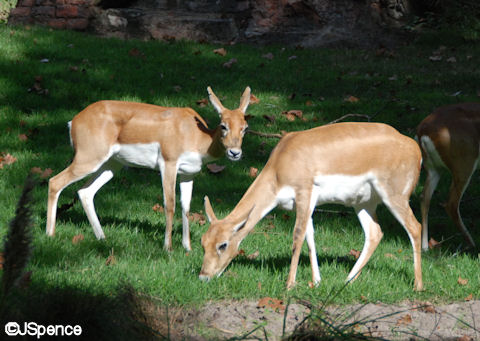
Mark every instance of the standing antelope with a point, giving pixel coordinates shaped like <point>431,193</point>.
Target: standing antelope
<point>449,138</point>
<point>354,164</point>
<point>109,134</point>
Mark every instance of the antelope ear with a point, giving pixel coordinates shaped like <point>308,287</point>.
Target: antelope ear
<point>245,100</point>
<point>215,101</point>
<point>209,211</point>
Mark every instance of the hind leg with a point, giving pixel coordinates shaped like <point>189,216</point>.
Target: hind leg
<point>88,191</point>
<point>373,235</point>
<point>431,182</point>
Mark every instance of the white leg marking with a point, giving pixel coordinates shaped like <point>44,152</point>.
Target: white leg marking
<point>309,236</point>
<point>186,188</point>
<point>432,179</point>
<point>372,234</point>
<point>87,194</point>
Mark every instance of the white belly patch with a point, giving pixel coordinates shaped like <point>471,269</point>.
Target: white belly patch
<point>138,155</point>
<point>189,163</point>
<point>347,190</point>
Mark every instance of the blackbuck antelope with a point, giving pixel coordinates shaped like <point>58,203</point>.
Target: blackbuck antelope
<point>449,139</point>
<point>109,134</point>
<point>355,164</point>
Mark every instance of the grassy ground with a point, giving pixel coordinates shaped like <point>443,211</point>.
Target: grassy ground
<point>46,77</point>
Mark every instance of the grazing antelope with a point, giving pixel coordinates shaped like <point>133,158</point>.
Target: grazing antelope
<point>355,164</point>
<point>449,138</point>
<point>109,134</point>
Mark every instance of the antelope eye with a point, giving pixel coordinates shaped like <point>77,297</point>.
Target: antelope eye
<point>223,127</point>
<point>222,246</point>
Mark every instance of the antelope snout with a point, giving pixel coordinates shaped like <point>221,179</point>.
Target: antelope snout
<point>234,154</point>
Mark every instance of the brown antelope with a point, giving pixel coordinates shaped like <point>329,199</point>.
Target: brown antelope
<point>355,164</point>
<point>449,138</point>
<point>109,134</point>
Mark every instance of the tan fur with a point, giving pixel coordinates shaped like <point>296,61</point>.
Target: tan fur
<point>455,133</point>
<point>176,130</point>
<point>346,149</point>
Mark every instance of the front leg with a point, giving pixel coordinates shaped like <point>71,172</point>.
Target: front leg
<point>304,213</point>
<point>186,187</point>
<point>169,176</point>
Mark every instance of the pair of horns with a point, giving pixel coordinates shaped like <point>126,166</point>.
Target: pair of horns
<point>244,100</point>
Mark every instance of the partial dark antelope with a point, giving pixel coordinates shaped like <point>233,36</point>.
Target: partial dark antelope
<point>450,139</point>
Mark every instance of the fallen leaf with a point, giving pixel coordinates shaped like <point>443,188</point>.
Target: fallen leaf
<point>46,173</point>
<point>465,338</point>
<point>435,58</point>
<point>432,244</point>
<point>311,285</point>
<point>253,172</point>
<point>259,285</point>
<point>111,259</point>
<point>427,307</point>
<point>269,118</point>
<point>158,208</point>
<point>285,217</point>
<point>469,298</point>
<point>268,56</point>
<point>77,238</point>
<point>202,102</point>
<point>254,99</point>
<point>214,168</point>
<point>354,253</point>
<point>177,88</point>
<point>406,319</point>
<point>389,255</point>
<point>197,218</point>
<point>22,137</point>
<point>229,64</point>
<point>292,114</point>
<point>134,52</point>
<point>308,103</point>
<point>351,99</point>
<point>272,303</point>
<point>6,159</point>
<point>221,51</point>
<point>253,255</point>
<point>241,252</point>
<point>462,281</point>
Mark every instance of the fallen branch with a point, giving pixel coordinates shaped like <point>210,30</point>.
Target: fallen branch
<point>350,115</point>
<point>254,132</point>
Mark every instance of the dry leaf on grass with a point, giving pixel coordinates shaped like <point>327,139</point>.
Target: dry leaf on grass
<point>254,99</point>
<point>77,238</point>
<point>221,51</point>
<point>111,259</point>
<point>158,208</point>
<point>351,99</point>
<point>462,281</point>
<point>354,253</point>
<point>43,173</point>
<point>197,218</point>
<point>253,172</point>
<point>253,255</point>
<point>469,297</point>
<point>6,159</point>
<point>202,102</point>
<point>292,114</point>
<point>432,243</point>
<point>404,320</point>
<point>214,168</point>
<point>273,303</point>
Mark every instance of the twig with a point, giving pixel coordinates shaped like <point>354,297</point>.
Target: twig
<point>254,132</point>
<point>350,115</point>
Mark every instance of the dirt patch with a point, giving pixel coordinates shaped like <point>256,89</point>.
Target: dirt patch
<point>409,320</point>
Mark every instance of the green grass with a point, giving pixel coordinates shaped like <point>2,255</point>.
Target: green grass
<point>399,89</point>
